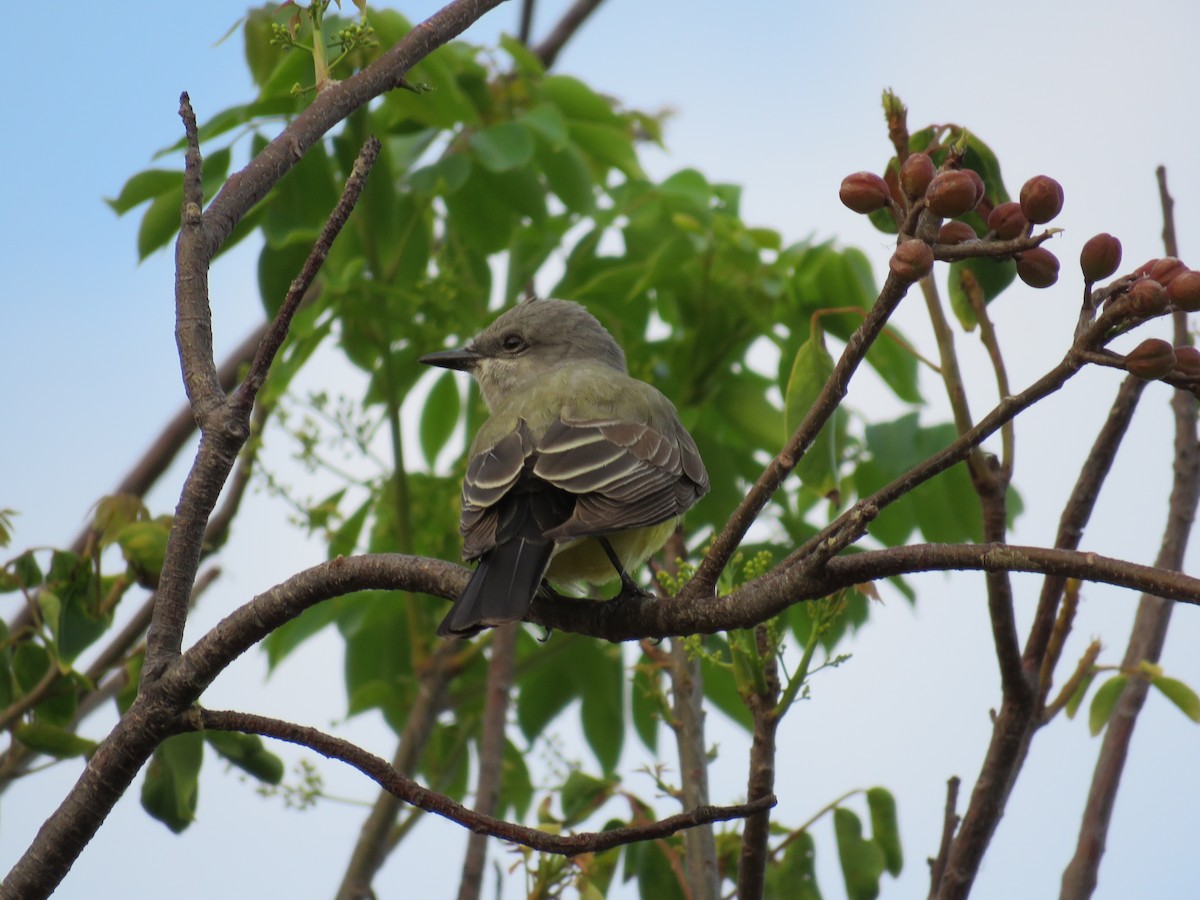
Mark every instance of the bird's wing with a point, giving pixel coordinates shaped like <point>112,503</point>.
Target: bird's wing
<point>491,473</point>
<point>624,474</point>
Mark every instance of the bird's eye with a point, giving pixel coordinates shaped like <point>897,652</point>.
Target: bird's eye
<point>513,342</point>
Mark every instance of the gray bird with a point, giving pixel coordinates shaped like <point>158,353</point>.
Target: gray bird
<point>580,471</point>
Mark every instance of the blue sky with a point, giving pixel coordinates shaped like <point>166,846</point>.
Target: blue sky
<point>779,97</point>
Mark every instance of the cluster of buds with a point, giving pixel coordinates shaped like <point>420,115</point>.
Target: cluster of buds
<point>920,188</point>
<point>1155,358</point>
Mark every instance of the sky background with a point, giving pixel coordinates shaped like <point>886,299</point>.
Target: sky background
<point>782,98</point>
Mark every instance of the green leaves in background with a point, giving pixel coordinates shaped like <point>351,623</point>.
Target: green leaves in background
<point>171,787</point>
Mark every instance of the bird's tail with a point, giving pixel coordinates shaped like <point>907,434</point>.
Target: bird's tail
<point>509,574</point>
<point>500,589</point>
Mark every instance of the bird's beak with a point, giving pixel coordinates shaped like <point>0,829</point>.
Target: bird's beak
<point>463,359</point>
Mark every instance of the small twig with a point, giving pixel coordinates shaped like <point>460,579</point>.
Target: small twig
<point>752,861</point>
<point>1078,511</point>
<point>410,792</point>
<point>989,249</point>
<point>1150,624</point>
<point>244,396</point>
<point>526,26</point>
<point>491,752</point>
<point>1071,685</point>
<point>827,402</point>
<point>548,49</point>
<point>937,867</point>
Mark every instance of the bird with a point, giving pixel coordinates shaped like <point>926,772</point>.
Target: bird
<point>579,472</point>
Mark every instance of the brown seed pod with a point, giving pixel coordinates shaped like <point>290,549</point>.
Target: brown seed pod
<point>1147,298</point>
<point>1152,358</point>
<point>1184,291</point>
<point>1008,221</point>
<point>1187,363</point>
<point>864,192</point>
<point>916,173</point>
<point>980,187</point>
<point>1164,270</point>
<point>1100,256</point>
<point>1041,199</point>
<point>912,260</point>
<point>952,194</point>
<point>955,233</point>
<point>1038,267</point>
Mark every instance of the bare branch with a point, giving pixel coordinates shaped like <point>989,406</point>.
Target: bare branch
<point>491,752</point>
<point>549,48</point>
<point>245,395</point>
<point>409,791</point>
<point>937,867</point>
<point>1149,626</point>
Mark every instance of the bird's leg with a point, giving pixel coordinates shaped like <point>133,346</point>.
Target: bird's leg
<point>629,587</point>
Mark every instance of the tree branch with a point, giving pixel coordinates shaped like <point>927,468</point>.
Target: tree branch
<point>491,752</point>
<point>1150,624</point>
<point>410,792</point>
<point>550,46</point>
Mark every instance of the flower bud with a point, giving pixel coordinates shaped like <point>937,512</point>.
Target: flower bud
<point>1147,298</point>
<point>952,194</point>
<point>955,233</point>
<point>916,173</point>
<point>1184,291</point>
<point>1008,221</point>
<point>1041,199</point>
<point>1038,267</point>
<point>912,260</point>
<point>1151,359</point>
<point>1100,257</point>
<point>864,192</point>
<point>1187,363</point>
<point>1164,270</point>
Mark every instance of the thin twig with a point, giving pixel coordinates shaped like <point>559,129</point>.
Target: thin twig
<point>246,393</point>
<point>760,782</point>
<point>1150,625</point>
<point>491,752</point>
<point>409,791</point>
<point>547,50</point>
<point>937,867</point>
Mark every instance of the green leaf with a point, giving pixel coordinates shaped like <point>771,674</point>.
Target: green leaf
<point>1076,698</point>
<point>582,794</point>
<point>160,222</point>
<point>516,787</point>
<point>567,174</point>
<point>143,186</point>
<point>503,147</point>
<point>171,788</point>
<point>247,752</point>
<point>603,712</point>
<point>549,123</point>
<point>609,145</point>
<point>144,546</point>
<point>795,875</point>
<point>1104,701</point>
<point>478,216</point>
<point>54,740</point>
<point>525,61</point>
<point>719,686</point>
<point>645,702</point>
<point>885,828</point>
<point>26,570</point>
<point>862,860</point>
<point>811,368</point>
<point>439,416</point>
<point>578,101</point>
<point>1179,694</point>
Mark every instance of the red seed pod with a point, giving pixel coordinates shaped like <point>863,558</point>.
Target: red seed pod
<point>1038,267</point>
<point>864,192</point>
<point>980,187</point>
<point>1184,291</point>
<point>1187,363</point>
<point>1152,358</point>
<point>1100,256</point>
<point>955,233</point>
<point>1164,270</point>
<point>912,260</point>
<point>952,194</point>
<point>1041,199</point>
<point>916,173</point>
<point>1147,298</point>
<point>1008,221</point>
